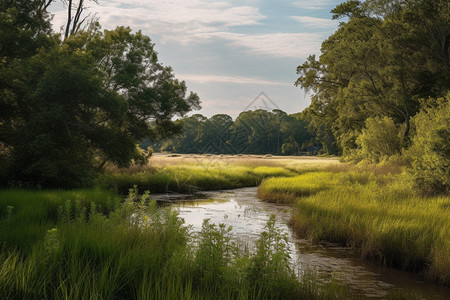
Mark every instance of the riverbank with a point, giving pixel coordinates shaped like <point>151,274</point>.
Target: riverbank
<point>78,243</point>
<point>186,173</point>
<point>377,214</point>
<point>85,244</point>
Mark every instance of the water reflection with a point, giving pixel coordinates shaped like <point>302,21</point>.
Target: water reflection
<point>248,216</point>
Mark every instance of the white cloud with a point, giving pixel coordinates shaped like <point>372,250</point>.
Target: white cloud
<point>228,79</point>
<point>288,45</point>
<point>171,17</point>
<point>315,4</point>
<point>281,45</point>
<point>316,22</point>
<point>185,23</point>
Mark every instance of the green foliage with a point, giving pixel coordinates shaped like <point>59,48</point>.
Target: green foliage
<point>190,178</point>
<point>380,139</point>
<point>350,9</point>
<point>138,252</point>
<point>271,260</point>
<point>379,62</point>
<point>25,216</point>
<point>257,132</point>
<point>429,154</point>
<point>215,252</point>
<point>290,147</point>
<point>285,190</point>
<point>70,106</point>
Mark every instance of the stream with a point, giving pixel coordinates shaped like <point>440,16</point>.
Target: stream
<point>241,209</point>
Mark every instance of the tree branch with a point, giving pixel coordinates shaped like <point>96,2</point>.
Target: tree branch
<point>69,19</point>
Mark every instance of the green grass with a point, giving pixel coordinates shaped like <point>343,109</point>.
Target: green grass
<point>90,244</point>
<point>188,178</point>
<point>31,213</point>
<point>378,214</point>
<point>286,190</point>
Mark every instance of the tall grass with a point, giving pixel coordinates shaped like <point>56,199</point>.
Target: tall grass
<point>135,250</point>
<point>378,214</point>
<point>188,178</point>
<point>25,215</point>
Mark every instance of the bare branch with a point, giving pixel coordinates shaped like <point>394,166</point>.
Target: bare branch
<point>69,18</point>
<point>77,16</point>
<point>48,4</point>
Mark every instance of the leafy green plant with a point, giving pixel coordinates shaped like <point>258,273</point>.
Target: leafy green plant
<point>429,155</point>
<point>380,139</point>
<point>215,252</point>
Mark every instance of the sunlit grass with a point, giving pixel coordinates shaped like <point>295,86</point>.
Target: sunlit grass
<point>378,214</point>
<point>285,190</point>
<point>134,251</point>
<point>192,173</point>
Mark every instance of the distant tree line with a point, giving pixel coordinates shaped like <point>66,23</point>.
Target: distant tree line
<point>254,132</point>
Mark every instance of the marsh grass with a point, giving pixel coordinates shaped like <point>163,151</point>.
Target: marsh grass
<point>286,190</point>
<point>187,177</point>
<point>377,214</point>
<point>32,213</point>
<point>131,249</point>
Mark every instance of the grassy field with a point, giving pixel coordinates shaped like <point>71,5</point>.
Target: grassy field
<point>93,245</point>
<point>189,173</point>
<point>373,211</point>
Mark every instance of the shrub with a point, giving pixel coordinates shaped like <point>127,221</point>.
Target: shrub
<point>381,138</point>
<point>429,155</point>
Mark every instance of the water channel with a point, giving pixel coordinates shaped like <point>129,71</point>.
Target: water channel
<point>241,209</point>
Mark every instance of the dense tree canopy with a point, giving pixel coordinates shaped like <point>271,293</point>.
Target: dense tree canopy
<point>67,107</point>
<point>381,61</point>
<point>255,132</point>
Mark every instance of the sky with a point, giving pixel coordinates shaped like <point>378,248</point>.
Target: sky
<point>236,55</point>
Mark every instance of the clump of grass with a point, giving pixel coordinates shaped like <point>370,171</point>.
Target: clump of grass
<point>286,190</point>
<point>377,214</point>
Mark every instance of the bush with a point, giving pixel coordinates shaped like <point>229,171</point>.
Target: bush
<point>380,139</point>
<point>429,154</point>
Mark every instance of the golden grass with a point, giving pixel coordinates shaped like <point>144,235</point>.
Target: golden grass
<point>162,160</point>
<point>378,214</point>
<point>188,173</point>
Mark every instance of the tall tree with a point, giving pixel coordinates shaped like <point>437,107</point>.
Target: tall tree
<point>378,63</point>
<point>81,102</point>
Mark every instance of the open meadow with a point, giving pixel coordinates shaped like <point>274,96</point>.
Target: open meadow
<point>74,244</point>
<point>189,173</point>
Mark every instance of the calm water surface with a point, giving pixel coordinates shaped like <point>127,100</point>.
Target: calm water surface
<point>241,209</point>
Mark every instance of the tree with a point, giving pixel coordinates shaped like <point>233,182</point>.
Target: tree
<point>378,63</point>
<point>217,133</point>
<point>74,22</point>
<point>192,138</point>
<point>290,147</point>
<point>76,104</point>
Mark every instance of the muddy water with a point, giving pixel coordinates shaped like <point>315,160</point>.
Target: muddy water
<point>241,209</point>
